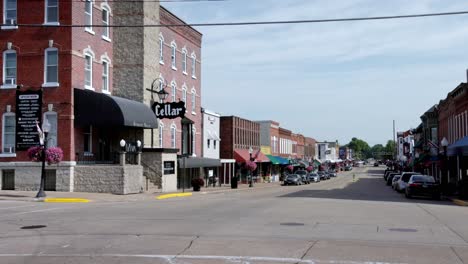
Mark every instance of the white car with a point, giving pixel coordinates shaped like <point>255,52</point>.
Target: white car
<point>404,179</point>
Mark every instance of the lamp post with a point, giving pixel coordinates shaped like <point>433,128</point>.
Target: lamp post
<point>250,172</point>
<point>122,152</point>
<point>45,130</point>
<point>444,143</point>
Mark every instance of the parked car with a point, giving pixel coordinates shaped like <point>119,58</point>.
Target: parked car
<point>390,178</point>
<point>348,168</point>
<point>305,179</point>
<point>332,173</point>
<point>322,175</point>
<point>314,177</point>
<point>293,179</point>
<point>395,180</point>
<point>422,185</point>
<point>403,181</point>
<point>387,173</point>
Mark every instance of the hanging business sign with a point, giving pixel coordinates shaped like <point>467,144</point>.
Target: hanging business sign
<point>169,110</point>
<point>28,112</point>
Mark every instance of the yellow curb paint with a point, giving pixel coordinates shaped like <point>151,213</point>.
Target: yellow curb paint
<point>172,195</point>
<point>460,202</point>
<point>66,200</point>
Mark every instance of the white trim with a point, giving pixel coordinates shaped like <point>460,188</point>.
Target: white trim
<point>53,23</point>
<point>4,66</point>
<point>184,94</point>
<point>106,38</point>
<point>161,134</point>
<point>105,66</point>
<point>46,57</point>
<point>8,155</point>
<point>8,86</point>
<point>105,7</point>
<point>88,52</point>
<point>194,65</point>
<point>174,55</point>
<point>48,114</point>
<point>9,26</point>
<point>174,128</point>
<point>3,132</point>
<point>184,61</point>
<point>90,28</point>
<point>193,100</point>
<point>173,90</point>
<point>161,49</point>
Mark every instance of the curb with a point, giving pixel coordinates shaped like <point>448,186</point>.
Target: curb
<point>460,202</point>
<point>65,200</point>
<point>172,195</point>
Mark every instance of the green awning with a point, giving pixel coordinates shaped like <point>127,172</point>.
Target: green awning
<point>317,163</point>
<point>277,160</point>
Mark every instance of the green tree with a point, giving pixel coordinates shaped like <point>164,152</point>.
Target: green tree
<point>377,151</point>
<point>390,149</point>
<point>361,149</point>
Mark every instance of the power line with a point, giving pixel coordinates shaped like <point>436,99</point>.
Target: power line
<point>262,22</point>
<point>142,1</point>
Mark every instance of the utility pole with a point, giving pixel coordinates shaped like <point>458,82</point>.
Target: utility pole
<point>394,142</point>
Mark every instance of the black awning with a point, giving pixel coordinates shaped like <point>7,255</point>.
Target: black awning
<point>99,109</point>
<point>197,162</point>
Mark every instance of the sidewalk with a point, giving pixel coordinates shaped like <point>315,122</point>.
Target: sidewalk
<point>29,196</point>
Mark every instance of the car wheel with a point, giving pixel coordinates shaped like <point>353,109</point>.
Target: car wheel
<point>407,195</point>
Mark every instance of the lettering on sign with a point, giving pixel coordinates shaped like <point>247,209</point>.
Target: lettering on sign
<point>28,112</point>
<point>169,110</point>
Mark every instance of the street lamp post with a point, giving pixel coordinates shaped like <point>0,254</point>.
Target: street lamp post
<point>250,172</point>
<point>444,143</point>
<point>45,130</point>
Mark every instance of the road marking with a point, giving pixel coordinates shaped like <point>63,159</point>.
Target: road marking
<point>170,258</point>
<point>66,200</point>
<point>172,195</point>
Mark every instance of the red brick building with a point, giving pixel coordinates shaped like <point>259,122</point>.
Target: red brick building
<point>285,143</point>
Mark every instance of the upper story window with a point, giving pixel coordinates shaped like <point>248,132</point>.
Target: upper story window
<point>173,91</point>
<point>184,95</point>
<point>105,21</point>
<point>50,67</point>
<point>52,12</point>
<point>194,99</point>
<point>10,13</point>
<point>194,141</point>
<point>105,76</point>
<point>161,134</point>
<point>173,55</point>
<point>52,135</point>
<point>173,135</point>
<point>9,133</point>
<point>89,16</point>
<point>88,69</point>
<point>161,49</point>
<point>194,65</point>
<point>184,61</point>
<point>9,69</point>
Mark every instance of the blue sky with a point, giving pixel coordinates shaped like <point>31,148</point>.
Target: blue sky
<point>330,81</point>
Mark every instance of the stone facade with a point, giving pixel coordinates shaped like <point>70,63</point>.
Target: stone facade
<point>152,161</point>
<point>114,179</point>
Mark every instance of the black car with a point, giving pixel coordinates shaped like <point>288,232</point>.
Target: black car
<point>322,175</point>
<point>390,178</point>
<point>376,164</point>
<point>293,179</point>
<point>422,185</point>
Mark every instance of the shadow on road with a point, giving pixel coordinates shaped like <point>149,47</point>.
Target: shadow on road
<point>369,188</point>
<point>13,195</point>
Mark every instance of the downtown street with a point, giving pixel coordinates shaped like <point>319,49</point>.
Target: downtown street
<point>340,220</point>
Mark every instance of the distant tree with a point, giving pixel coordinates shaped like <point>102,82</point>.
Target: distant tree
<point>377,151</point>
<point>390,148</point>
<point>361,149</point>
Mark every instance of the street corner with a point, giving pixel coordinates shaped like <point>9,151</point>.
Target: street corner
<point>460,202</point>
<point>173,195</point>
<point>64,200</point>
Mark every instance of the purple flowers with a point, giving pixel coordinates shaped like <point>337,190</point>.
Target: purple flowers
<point>309,169</point>
<point>53,155</point>
<point>250,165</point>
<point>290,168</point>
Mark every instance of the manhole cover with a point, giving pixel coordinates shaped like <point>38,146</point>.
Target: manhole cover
<point>292,224</point>
<point>33,227</point>
<point>403,230</point>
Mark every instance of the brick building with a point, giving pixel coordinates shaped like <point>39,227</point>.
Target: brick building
<point>309,149</point>
<point>269,140</point>
<point>285,143</point>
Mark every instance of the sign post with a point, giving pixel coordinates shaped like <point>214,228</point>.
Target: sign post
<point>28,113</point>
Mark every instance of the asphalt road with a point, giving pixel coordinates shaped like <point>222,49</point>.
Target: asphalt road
<point>334,221</point>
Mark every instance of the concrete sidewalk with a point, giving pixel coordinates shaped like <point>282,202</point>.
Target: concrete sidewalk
<point>29,196</point>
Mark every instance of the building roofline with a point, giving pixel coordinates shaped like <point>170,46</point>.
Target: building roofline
<point>178,18</point>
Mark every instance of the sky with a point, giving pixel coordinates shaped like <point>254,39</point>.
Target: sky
<point>330,81</point>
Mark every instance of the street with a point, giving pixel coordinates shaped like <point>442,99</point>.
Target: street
<point>334,221</point>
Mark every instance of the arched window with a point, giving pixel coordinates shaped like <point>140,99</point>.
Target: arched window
<point>51,66</point>
<point>89,16</point>
<point>105,21</point>
<point>88,68</point>
<point>173,90</point>
<point>105,60</point>
<point>52,135</point>
<point>161,48</point>
<point>194,100</point>
<point>173,55</point>
<point>161,135</point>
<point>173,136</point>
<point>194,141</point>
<point>184,61</point>
<point>9,69</point>
<point>194,65</point>
<point>184,95</point>
<point>8,133</point>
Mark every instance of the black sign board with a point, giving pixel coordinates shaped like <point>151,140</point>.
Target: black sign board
<point>169,167</point>
<point>169,110</point>
<point>28,112</point>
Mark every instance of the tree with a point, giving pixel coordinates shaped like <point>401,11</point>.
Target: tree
<point>390,149</point>
<point>361,148</point>
<point>377,151</point>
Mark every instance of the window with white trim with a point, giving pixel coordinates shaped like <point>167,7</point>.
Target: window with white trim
<point>194,100</point>
<point>88,71</point>
<point>161,49</point>
<point>105,76</point>
<point>173,55</point>
<point>52,135</point>
<point>9,67</point>
<point>51,66</point>
<point>52,11</point>
<point>89,15</point>
<point>10,12</point>
<point>161,134</point>
<point>105,23</point>
<point>8,135</point>
<point>161,86</point>
<point>208,143</point>
<point>214,143</point>
<point>173,136</point>
<point>184,61</point>
<point>194,64</point>
<point>173,91</point>
<point>184,95</point>
<point>194,141</point>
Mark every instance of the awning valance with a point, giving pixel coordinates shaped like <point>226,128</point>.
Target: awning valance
<point>243,155</point>
<point>198,162</point>
<point>458,148</point>
<point>100,109</point>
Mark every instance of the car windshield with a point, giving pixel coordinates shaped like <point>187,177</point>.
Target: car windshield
<point>406,176</point>
<point>422,179</point>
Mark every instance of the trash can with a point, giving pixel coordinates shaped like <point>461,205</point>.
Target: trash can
<point>234,183</point>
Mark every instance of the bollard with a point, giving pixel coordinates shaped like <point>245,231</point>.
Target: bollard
<point>354,177</point>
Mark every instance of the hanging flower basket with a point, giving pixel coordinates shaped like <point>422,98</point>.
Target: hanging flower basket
<point>290,168</point>
<point>54,155</point>
<point>309,169</point>
<point>251,166</point>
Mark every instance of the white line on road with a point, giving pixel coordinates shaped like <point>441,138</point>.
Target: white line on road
<point>170,258</point>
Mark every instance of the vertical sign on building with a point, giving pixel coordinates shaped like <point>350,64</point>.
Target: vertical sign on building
<point>28,112</point>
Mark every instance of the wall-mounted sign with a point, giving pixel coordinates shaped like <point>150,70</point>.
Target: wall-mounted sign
<point>169,167</point>
<point>28,112</point>
<point>169,110</point>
